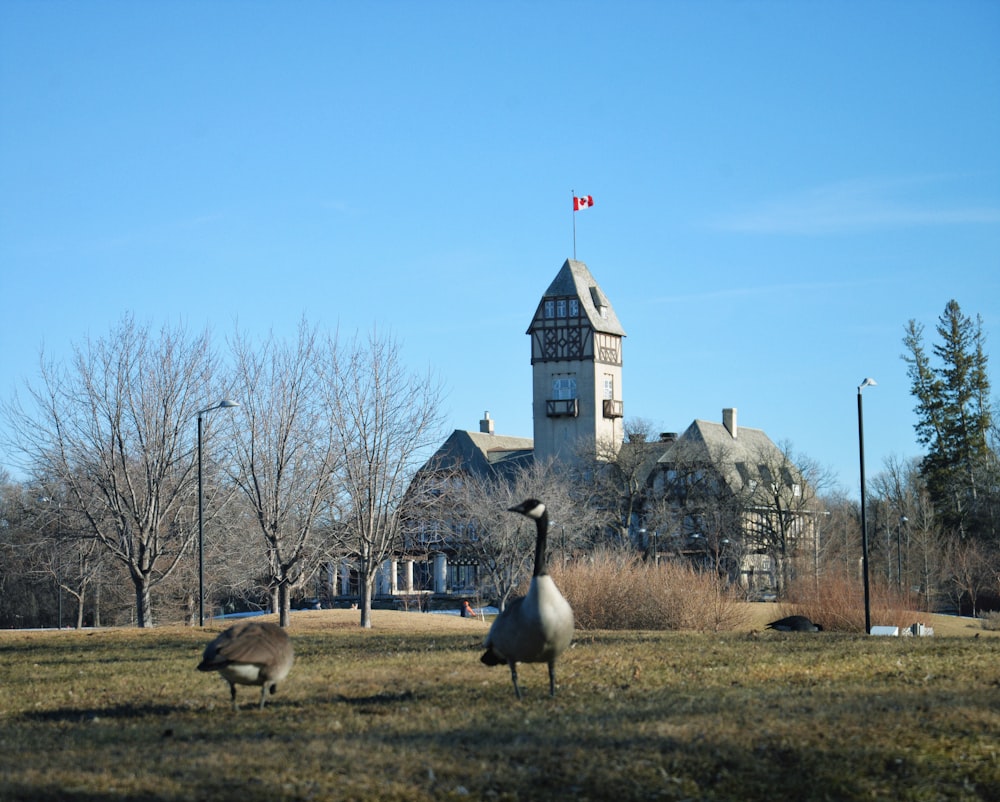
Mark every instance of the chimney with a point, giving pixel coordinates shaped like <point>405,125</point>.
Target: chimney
<point>486,424</point>
<point>729,420</point>
<point>668,437</point>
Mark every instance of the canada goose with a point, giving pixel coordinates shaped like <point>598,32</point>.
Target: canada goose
<point>795,623</point>
<point>538,627</point>
<point>250,653</point>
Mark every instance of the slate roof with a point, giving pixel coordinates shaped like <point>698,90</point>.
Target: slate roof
<point>481,453</point>
<point>574,280</point>
<point>746,458</point>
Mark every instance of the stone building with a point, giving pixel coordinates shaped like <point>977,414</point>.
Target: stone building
<point>578,406</point>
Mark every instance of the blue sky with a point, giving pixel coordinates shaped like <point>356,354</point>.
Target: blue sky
<point>779,187</point>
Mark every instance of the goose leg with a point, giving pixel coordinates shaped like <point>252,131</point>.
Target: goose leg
<point>263,695</point>
<point>513,676</point>
<point>552,677</point>
<point>232,694</point>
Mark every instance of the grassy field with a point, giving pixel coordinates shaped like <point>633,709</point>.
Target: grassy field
<point>406,711</point>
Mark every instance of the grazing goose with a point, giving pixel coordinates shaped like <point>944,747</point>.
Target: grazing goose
<point>250,653</point>
<point>538,627</point>
<point>795,623</point>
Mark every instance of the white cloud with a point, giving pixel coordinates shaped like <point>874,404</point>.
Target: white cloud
<point>858,205</point>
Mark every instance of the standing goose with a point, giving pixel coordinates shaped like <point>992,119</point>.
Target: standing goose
<point>538,627</point>
<point>250,653</point>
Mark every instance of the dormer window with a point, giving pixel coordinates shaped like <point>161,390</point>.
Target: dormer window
<point>599,301</point>
<point>550,309</point>
<point>561,307</point>
<point>574,307</point>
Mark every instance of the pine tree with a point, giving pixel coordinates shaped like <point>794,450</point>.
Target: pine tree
<point>954,418</point>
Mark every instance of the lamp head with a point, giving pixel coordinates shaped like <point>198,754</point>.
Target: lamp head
<point>225,403</point>
<point>868,382</point>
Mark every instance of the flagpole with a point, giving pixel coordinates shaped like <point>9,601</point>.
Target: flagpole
<point>573,212</point>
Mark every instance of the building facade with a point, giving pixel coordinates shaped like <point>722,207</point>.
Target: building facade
<point>576,367</point>
<point>728,496</point>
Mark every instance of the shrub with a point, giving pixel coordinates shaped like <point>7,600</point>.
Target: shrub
<point>990,621</point>
<point>615,590</point>
<point>837,603</point>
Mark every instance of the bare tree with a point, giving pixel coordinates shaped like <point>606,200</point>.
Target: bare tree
<point>971,568</point>
<point>916,550</point>
<point>732,501</point>
<point>114,429</point>
<point>284,454</point>
<point>25,600</point>
<point>616,477</point>
<point>786,502</point>
<point>503,544</point>
<point>839,536</point>
<point>64,554</point>
<point>925,547</point>
<point>695,512</point>
<point>386,418</point>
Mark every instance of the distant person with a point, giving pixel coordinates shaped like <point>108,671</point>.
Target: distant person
<point>467,611</point>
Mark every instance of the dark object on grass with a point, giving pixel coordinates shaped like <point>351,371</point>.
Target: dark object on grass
<point>538,627</point>
<point>795,623</point>
<point>250,653</point>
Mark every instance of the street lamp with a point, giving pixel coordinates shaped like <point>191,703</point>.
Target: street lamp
<point>224,404</point>
<point>864,520</point>
<point>899,552</point>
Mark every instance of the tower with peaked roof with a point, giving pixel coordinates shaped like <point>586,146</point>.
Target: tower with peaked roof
<point>576,365</point>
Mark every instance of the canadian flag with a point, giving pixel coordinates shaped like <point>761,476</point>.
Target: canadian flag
<point>582,203</point>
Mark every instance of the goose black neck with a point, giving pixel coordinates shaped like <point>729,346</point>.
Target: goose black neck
<point>542,524</point>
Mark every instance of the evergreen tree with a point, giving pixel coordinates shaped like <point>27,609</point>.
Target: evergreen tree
<point>953,419</point>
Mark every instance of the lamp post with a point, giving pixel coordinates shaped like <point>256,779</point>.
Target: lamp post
<point>224,404</point>
<point>899,553</point>
<point>864,520</point>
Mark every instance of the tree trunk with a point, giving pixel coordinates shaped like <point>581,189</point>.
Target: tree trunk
<point>143,603</point>
<point>284,605</point>
<point>367,588</point>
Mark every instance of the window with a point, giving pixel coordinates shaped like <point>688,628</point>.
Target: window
<point>561,307</point>
<point>462,577</point>
<point>609,386</point>
<point>574,307</point>
<point>563,388</point>
<point>550,309</point>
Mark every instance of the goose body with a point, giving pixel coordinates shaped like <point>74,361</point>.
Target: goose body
<point>538,627</point>
<point>250,653</point>
<point>795,623</point>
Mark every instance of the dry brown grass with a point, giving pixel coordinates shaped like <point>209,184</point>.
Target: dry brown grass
<point>406,712</point>
<point>837,602</point>
<point>616,591</point>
